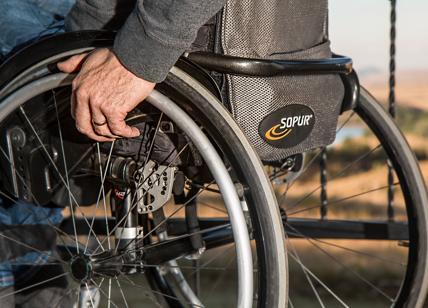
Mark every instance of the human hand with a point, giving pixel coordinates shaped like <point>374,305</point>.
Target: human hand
<point>104,91</point>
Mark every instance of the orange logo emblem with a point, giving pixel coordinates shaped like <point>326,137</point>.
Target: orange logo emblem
<point>274,134</point>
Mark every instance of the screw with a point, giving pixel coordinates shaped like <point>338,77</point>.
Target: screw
<point>17,136</point>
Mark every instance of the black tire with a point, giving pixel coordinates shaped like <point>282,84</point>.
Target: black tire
<point>337,211</point>
<point>415,285</point>
<point>200,104</point>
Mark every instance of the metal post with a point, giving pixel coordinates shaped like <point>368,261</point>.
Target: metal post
<point>391,102</point>
<point>323,179</point>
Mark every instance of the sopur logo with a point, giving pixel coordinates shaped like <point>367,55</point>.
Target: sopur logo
<point>282,130</point>
<point>288,126</point>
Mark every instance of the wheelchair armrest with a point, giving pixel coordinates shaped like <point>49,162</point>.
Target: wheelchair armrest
<point>270,68</point>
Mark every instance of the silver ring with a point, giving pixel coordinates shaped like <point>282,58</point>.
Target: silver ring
<point>99,124</point>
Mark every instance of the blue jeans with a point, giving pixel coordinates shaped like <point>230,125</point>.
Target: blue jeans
<point>22,21</point>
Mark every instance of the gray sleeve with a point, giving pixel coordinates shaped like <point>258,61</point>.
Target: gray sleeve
<point>98,14</point>
<point>154,34</point>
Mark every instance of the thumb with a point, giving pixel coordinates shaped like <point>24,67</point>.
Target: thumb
<point>73,64</point>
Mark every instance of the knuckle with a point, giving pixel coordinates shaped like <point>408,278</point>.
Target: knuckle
<point>81,94</point>
<point>80,129</point>
<point>75,84</point>
<point>96,102</point>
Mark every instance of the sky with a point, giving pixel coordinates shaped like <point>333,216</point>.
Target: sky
<point>360,29</point>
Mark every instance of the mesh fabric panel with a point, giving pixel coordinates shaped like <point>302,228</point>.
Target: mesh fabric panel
<point>281,29</point>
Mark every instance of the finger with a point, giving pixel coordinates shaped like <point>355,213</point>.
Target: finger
<point>119,127</point>
<point>99,122</point>
<point>84,119</point>
<point>73,105</point>
<point>72,64</point>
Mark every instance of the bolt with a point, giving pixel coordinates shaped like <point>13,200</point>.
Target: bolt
<point>17,136</point>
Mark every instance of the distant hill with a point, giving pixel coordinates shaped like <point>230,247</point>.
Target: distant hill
<point>412,86</point>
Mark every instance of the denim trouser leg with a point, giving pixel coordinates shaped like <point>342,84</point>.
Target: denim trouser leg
<point>23,213</point>
<point>22,21</point>
<point>25,20</point>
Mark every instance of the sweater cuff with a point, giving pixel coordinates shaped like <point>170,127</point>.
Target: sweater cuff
<point>143,55</point>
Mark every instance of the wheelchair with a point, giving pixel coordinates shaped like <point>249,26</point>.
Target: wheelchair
<point>185,215</point>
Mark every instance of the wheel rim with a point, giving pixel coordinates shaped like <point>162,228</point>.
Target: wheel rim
<point>328,215</point>
<point>245,297</point>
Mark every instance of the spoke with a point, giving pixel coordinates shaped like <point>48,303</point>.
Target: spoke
<point>102,292</point>
<point>66,294</point>
<point>337,175</point>
<point>140,183</point>
<point>357,252</point>
<point>149,153</point>
<point>165,265</point>
<point>221,277</point>
<point>336,202</point>
<point>172,239</point>
<point>56,169</point>
<point>179,237</point>
<point>319,151</point>
<point>174,213</point>
<point>305,272</point>
<point>65,167</point>
<point>305,168</point>
<point>146,294</point>
<point>90,295</point>
<point>318,280</point>
<point>215,257</point>
<point>34,285</point>
<point>101,192</point>
<point>344,266</point>
<point>159,176</point>
<point>31,248</point>
<point>213,207</point>
<point>37,203</point>
<point>345,122</point>
<point>102,186</point>
<point>79,287</point>
<point>121,292</point>
<point>109,293</point>
<point>136,203</point>
<point>33,264</point>
<point>132,283</point>
<point>11,199</point>
<point>146,160</point>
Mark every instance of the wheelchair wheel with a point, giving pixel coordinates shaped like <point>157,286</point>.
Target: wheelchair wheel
<point>355,237</point>
<point>186,206</point>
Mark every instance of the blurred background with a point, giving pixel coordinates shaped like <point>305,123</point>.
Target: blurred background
<point>360,29</point>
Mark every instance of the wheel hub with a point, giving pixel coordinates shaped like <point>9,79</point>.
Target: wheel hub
<point>108,263</point>
<point>81,268</point>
